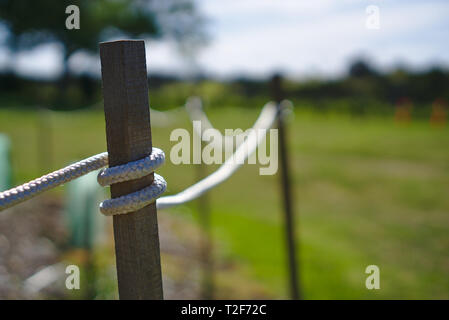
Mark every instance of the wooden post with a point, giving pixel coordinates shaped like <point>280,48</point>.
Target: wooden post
<point>128,133</point>
<point>286,192</point>
<point>206,257</point>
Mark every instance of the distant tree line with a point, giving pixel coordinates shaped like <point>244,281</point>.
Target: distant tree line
<point>362,90</point>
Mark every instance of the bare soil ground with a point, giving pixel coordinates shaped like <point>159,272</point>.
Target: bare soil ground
<point>33,236</point>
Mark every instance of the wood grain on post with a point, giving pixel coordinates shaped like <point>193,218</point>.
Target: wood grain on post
<point>286,191</point>
<point>128,133</point>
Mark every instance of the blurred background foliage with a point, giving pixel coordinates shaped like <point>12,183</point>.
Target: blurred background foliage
<point>359,93</point>
<point>29,23</point>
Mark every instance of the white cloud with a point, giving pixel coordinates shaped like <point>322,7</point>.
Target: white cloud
<point>164,57</point>
<point>319,36</point>
<point>44,60</point>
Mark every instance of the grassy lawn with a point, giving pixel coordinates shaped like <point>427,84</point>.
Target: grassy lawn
<point>366,190</point>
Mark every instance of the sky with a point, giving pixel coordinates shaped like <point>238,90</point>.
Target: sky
<point>301,38</point>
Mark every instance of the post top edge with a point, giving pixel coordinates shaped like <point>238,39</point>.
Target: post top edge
<point>122,41</point>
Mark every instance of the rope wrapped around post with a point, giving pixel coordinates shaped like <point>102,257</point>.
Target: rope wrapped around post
<point>129,171</point>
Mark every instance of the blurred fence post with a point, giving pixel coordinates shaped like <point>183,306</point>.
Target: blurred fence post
<point>5,163</point>
<point>207,263</point>
<point>286,190</point>
<point>128,133</point>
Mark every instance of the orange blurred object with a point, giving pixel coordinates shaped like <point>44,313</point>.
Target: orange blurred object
<point>403,110</point>
<point>439,113</point>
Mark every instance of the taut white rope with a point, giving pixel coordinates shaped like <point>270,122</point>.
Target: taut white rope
<point>265,121</point>
<point>129,171</point>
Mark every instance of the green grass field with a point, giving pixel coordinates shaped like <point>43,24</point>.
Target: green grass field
<point>366,190</point>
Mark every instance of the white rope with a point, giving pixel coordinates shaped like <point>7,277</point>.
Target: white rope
<point>194,107</point>
<point>164,118</point>
<point>265,121</point>
<point>137,169</point>
<point>132,170</point>
<point>129,171</point>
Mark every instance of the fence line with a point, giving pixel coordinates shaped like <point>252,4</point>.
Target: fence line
<point>35,187</point>
<point>129,138</point>
<point>265,121</point>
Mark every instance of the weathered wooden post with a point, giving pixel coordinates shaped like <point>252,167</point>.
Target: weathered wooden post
<point>128,133</point>
<point>286,190</point>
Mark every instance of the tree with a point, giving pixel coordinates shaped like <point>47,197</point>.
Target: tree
<point>31,23</point>
<point>360,68</point>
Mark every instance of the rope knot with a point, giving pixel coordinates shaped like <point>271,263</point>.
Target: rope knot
<point>131,171</point>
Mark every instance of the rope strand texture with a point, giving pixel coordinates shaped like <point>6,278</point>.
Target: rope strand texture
<point>129,171</point>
